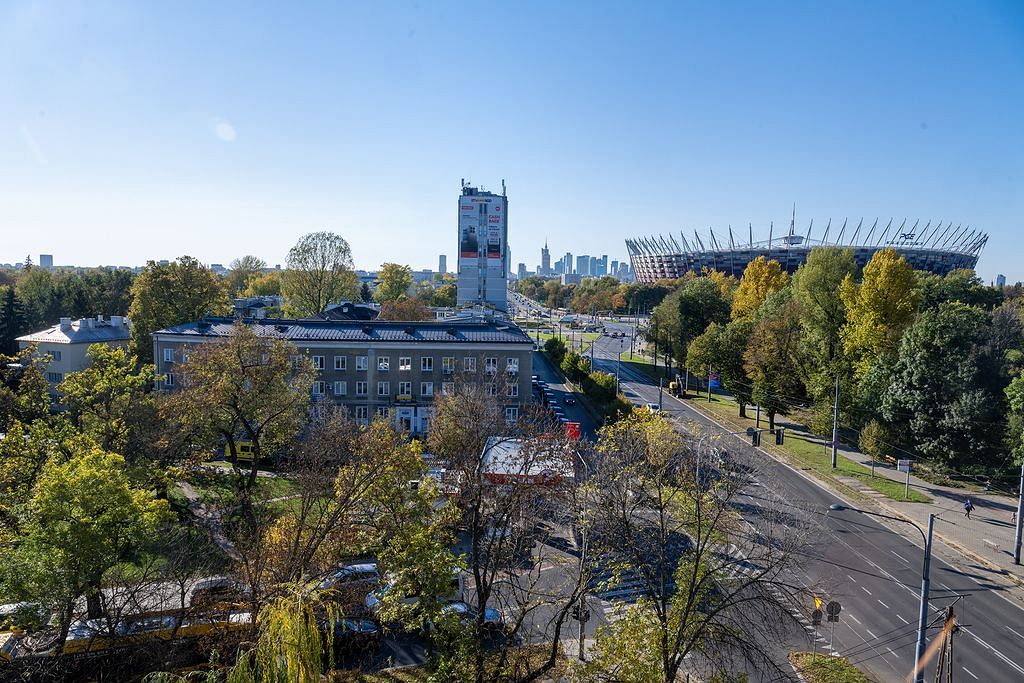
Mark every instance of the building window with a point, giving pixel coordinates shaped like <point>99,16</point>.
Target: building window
<point>427,364</point>
<point>341,362</point>
<point>383,363</point>
<point>361,414</point>
<point>319,388</point>
<point>340,388</point>
<point>168,355</point>
<point>55,377</point>
<point>168,379</point>
<point>490,365</point>
<point>469,364</point>
<point>361,388</point>
<point>512,389</point>
<point>383,411</point>
<point>361,363</point>
<point>492,389</point>
<point>448,365</point>
<point>405,389</point>
<point>426,388</point>
<point>54,356</point>
<point>383,388</point>
<point>511,415</point>
<point>447,388</point>
<point>512,366</point>
<point>318,362</point>
<point>404,363</point>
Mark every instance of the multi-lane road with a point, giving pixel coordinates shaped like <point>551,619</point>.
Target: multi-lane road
<point>870,569</point>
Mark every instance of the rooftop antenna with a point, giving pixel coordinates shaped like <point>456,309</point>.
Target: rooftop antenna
<point>792,222</point>
<point>502,187</point>
<point>463,182</point>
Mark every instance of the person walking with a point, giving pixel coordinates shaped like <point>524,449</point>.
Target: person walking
<point>968,506</point>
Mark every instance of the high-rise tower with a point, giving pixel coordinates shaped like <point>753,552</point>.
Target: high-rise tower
<point>483,248</point>
<point>545,260</point>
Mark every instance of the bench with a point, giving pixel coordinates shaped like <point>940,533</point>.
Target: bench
<point>991,544</point>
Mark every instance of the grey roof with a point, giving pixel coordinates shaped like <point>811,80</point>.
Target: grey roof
<point>102,331</point>
<point>368,331</point>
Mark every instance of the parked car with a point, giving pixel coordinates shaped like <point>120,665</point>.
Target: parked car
<point>219,591</point>
<point>493,620</point>
<point>374,600</point>
<point>570,400</point>
<point>354,638</point>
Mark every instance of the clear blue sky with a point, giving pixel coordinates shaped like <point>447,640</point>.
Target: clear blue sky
<point>138,130</point>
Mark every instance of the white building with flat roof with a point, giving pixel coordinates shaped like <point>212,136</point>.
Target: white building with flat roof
<point>66,343</point>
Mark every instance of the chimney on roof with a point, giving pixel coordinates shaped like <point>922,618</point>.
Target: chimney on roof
<point>116,321</point>
<point>99,318</point>
<point>65,324</point>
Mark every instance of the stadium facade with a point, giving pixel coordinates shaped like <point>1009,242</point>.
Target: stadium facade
<point>938,248</point>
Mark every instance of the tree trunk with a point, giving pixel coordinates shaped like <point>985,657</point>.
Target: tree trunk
<point>93,603</point>
<point>743,408</point>
<point>771,420</point>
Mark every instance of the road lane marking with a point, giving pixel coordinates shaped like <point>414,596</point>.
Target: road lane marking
<point>969,671</point>
<point>1014,632</point>
<point>851,578</point>
<point>871,634</point>
<point>903,620</point>
<point>899,556</point>
<point>865,590</point>
<point>883,604</point>
<point>854,618</point>
<point>891,652</point>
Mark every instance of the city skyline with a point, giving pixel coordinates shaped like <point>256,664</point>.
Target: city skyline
<point>167,134</point>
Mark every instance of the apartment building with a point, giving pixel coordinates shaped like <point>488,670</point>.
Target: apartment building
<point>383,368</point>
<point>66,343</point>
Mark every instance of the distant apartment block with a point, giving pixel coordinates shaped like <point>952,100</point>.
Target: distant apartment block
<point>65,344</point>
<point>46,261</point>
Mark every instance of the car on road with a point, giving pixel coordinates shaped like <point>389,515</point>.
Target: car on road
<point>493,620</point>
<point>654,408</point>
<point>219,591</point>
<point>349,583</point>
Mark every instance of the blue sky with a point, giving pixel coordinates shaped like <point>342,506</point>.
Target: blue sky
<point>138,130</point>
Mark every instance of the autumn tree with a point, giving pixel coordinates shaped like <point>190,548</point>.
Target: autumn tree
<point>250,387</point>
<point>879,309</point>
<point>405,308</point>
<point>394,282</point>
<point>24,391</point>
<point>243,271</point>
<point>267,284</point>
<point>760,278</point>
<point>319,273</point>
<point>171,294</point>
<point>684,315</point>
<point>654,511</point>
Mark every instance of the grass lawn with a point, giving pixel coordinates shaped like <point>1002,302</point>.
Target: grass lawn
<point>586,336</point>
<point>826,669</point>
<point>805,453</point>
<point>215,486</point>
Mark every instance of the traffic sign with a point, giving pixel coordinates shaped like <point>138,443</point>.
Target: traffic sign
<point>904,465</point>
<point>816,617</point>
<point>833,609</point>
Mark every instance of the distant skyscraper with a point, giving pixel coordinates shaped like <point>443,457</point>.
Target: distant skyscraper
<point>614,270</point>
<point>46,260</point>
<point>442,264</point>
<point>583,265</point>
<point>521,271</point>
<point>559,267</point>
<point>568,263</point>
<point>1000,279</point>
<point>545,260</point>
<point>602,265</point>
<point>483,248</point>
<point>593,265</point>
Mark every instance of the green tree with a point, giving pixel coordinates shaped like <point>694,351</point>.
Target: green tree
<point>816,286</point>
<point>873,441</point>
<point>365,293</point>
<point>267,284</point>
<point>84,518</point>
<point>405,308</point>
<point>165,295</point>
<point>319,273</point>
<point>772,356</point>
<point>12,322</point>
<point>685,313</point>
<point>722,347</point>
<point>24,391</point>
<point>394,281</point>
<point>110,401</point>
<point>555,348</point>
<point>247,387</point>
<point>35,291</point>
<point>879,309</point>
<point>1015,428</point>
<point>944,388</point>
<point>959,285</point>
<point>243,271</point>
<point>444,295</point>
<point>760,278</point>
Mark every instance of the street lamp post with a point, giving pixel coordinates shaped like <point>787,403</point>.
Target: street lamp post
<point>922,617</point>
<point>583,563</point>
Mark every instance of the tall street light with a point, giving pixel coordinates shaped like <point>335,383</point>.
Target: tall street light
<point>922,617</point>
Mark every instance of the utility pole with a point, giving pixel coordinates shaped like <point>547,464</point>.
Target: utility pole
<point>660,380</point>
<point>922,617</point>
<point>709,382</point>
<point>758,420</point>
<point>686,386</point>
<point>835,426</point>
<point>1020,513</point>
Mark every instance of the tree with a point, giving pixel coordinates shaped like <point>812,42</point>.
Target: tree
<point>12,322</point>
<point>84,518</point>
<point>772,356</point>
<point>760,278</point>
<point>394,281</point>
<point>816,286</point>
<point>873,441</point>
<point>653,511</point>
<point>555,348</point>
<point>879,309</point>
<point>405,309</point>
<point>365,293</point>
<point>110,401</point>
<point>171,294</point>
<point>35,291</point>
<point>243,271</point>
<point>319,273</point>
<point>247,387</point>
<point>945,388</point>
<point>959,285</point>
<point>444,295</point>
<point>685,313</point>
<point>722,347</point>
<point>1015,428</point>
<point>267,284</point>
<point>24,391</point>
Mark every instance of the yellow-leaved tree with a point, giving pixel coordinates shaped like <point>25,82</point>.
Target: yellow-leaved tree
<point>760,278</point>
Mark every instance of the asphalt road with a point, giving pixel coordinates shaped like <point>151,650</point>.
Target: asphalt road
<point>865,565</point>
